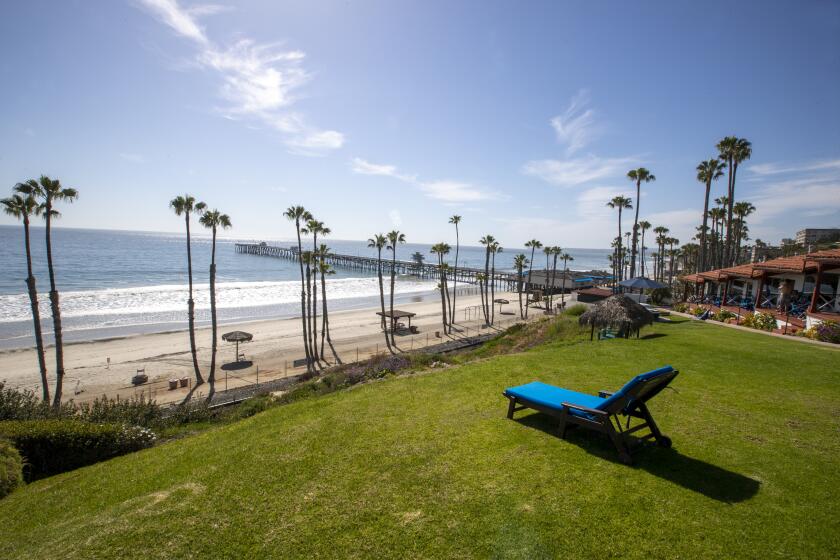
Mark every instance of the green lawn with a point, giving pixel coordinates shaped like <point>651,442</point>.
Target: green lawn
<point>428,466</point>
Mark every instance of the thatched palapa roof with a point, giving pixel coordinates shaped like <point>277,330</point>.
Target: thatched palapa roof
<point>617,312</point>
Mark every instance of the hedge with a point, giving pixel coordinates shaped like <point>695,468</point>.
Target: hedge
<point>54,446</point>
<point>11,468</point>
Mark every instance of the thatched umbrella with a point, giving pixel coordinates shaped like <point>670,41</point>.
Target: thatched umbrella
<point>237,337</point>
<point>617,312</point>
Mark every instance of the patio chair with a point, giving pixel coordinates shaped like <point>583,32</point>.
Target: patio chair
<point>606,334</point>
<point>600,413</point>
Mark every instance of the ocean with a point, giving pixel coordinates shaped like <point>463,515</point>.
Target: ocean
<point>118,283</point>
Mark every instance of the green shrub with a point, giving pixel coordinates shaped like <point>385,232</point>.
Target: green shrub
<point>26,405</point>
<point>698,311</point>
<point>659,295</point>
<point>11,468</point>
<point>576,310</point>
<point>681,308</point>
<point>760,321</point>
<point>723,316</point>
<point>54,446</point>
<point>827,331</point>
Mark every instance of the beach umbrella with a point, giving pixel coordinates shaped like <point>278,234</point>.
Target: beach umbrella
<point>237,337</point>
<point>641,283</point>
<point>617,312</point>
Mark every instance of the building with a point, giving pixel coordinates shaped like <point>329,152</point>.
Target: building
<point>813,235</point>
<point>800,290</point>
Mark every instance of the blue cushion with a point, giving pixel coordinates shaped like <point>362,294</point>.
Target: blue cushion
<point>553,397</point>
<point>630,384</point>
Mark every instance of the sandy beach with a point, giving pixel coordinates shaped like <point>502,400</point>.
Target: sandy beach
<point>107,366</point>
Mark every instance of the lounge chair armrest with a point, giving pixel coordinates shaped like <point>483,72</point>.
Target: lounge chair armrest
<point>585,409</point>
<point>604,394</point>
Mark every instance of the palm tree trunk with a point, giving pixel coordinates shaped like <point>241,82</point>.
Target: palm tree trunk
<point>56,313</point>
<point>563,289</point>
<point>442,293</point>
<point>315,296</point>
<point>519,291</point>
<point>705,221</point>
<point>455,278</point>
<point>325,322</point>
<point>529,281</point>
<point>486,280</point>
<point>313,351</point>
<point>382,299</point>
<point>36,313</point>
<point>620,253</point>
<point>304,323</point>
<point>493,290</point>
<point>642,254</point>
<point>635,229</point>
<point>553,279</point>
<point>191,306</point>
<point>211,378</point>
<point>393,277</point>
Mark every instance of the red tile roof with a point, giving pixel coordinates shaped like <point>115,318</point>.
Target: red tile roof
<point>742,271</point>
<point>796,263</point>
<point>596,292</point>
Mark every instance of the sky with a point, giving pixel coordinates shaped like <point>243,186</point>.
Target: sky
<point>522,117</point>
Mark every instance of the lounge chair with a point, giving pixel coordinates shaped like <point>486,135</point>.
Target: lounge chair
<point>600,413</point>
<point>606,334</point>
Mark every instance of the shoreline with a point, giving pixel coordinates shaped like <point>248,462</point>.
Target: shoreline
<point>105,367</point>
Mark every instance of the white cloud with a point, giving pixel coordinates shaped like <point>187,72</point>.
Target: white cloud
<point>577,171</point>
<point>764,169</point>
<point>259,81</point>
<point>576,127</point>
<point>446,190</point>
<point>181,21</point>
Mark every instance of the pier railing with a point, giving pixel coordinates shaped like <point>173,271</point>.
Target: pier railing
<point>431,271</point>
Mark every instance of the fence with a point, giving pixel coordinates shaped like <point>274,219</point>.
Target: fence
<point>234,385</point>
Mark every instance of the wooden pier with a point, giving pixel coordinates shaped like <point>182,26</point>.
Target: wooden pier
<point>502,280</point>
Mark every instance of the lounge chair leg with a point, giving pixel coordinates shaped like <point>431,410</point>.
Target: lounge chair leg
<point>511,406</point>
<point>561,429</point>
<point>661,440</point>
<point>619,443</point>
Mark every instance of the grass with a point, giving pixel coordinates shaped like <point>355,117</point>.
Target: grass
<point>428,466</point>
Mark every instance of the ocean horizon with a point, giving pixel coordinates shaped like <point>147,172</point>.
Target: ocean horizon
<point>119,283</point>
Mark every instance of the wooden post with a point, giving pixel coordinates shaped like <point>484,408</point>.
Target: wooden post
<point>815,296</point>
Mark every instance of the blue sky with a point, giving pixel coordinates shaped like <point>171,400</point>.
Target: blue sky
<point>523,117</point>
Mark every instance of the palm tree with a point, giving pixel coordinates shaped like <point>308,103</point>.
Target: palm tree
<point>314,227</point>
<point>442,249</point>
<point>707,171</point>
<point>49,191</point>
<point>644,225</point>
<point>660,232</point>
<point>520,261</point>
<point>456,219</point>
<point>671,241</point>
<point>555,252</point>
<point>325,269</point>
<point>297,214</point>
<point>733,150</point>
<point>622,203</point>
<point>21,205</point>
<point>638,176</point>
<point>184,206</point>
<point>487,241</point>
<point>533,245</point>
<point>379,242</point>
<point>394,238</point>
<point>741,210</point>
<point>213,219</point>
<point>566,258</point>
<point>494,248</point>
